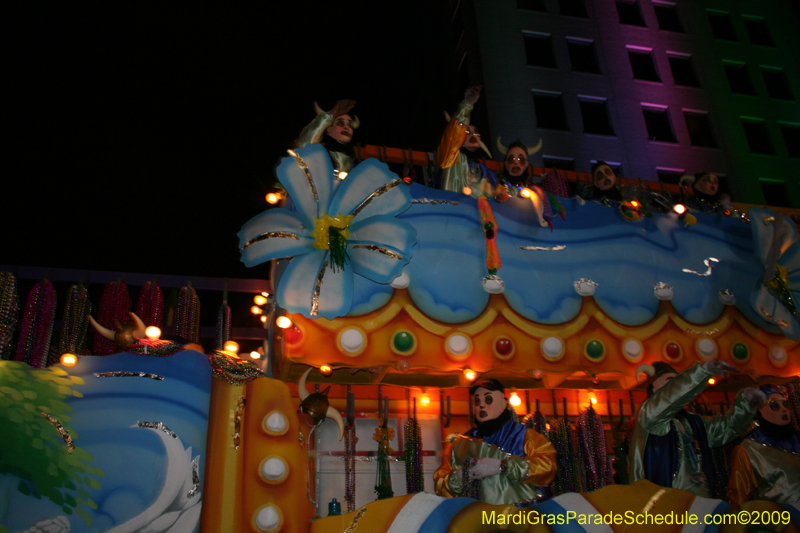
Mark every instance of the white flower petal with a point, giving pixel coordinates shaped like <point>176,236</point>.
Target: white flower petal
<point>310,189</point>
<point>380,246</point>
<point>371,189</point>
<point>296,292</point>
<point>274,234</point>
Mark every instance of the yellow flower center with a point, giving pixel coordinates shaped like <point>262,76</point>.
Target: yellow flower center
<point>322,229</point>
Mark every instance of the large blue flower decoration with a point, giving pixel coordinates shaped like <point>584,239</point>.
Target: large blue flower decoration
<point>331,235</point>
<point>777,247</point>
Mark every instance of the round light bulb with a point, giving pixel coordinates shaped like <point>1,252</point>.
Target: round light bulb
<point>593,399</point>
<point>265,294</point>
<point>231,346</point>
<point>69,359</point>
<point>283,322</point>
<point>325,370</point>
<point>470,374</point>
<point>679,208</point>
<point>259,299</point>
<point>467,191</point>
<point>342,175</point>
<point>273,198</point>
<point>425,399</point>
<point>255,355</point>
<point>525,192</point>
<point>515,400</point>
<point>152,333</point>
<point>712,381</point>
<point>264,319</point>
<point>256,310</point>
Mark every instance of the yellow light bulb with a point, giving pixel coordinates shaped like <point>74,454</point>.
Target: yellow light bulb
<point>712,381</point>
<point>231,346</point>
<point>283,322</point>
<point>679,208</point>
<point>525,192</point>
<point>273,198</point>
<point>255,355</point>
<point>425,399</point>
<point>515,400</point>
<point>69,359</point>
<point>265,294</point>
<point>342,175</point>
<point>259,299</point>
<point>152,333</point>
<point>264,319</point>
<point>326,370</point>
<point>256,310</point>
<point>467,191</point>
<point>470,374</point>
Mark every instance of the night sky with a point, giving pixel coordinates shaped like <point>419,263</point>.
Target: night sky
<point>141,137</point>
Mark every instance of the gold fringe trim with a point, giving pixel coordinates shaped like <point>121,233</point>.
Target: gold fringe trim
<point>386,188</point>
<point>302,164</point>
<point>270,235</point>
<point>61,431</point>
<point>384,251</point>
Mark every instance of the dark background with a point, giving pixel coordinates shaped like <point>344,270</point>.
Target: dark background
<point>142,136</point>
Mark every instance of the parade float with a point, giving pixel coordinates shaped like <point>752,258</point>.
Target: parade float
<point>391,298</point>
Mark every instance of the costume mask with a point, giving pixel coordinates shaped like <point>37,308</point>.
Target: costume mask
<point>604,178</point>
<point>516,161</point>
<point>473,139</point>
<point>776,410</point>
<point>707,184</point>
<point>488,405</point>
<point>342,129</point>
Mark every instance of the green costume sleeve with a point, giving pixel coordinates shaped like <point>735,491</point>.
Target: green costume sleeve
<point>455,483</point>
<point>462,113</point>
<point>313,132</point>
<point>657,412</point>
<point>723,429</point>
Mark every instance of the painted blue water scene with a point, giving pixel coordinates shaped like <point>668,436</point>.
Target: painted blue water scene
<point>120,442</point>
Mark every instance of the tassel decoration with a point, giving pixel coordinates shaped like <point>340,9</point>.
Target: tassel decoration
<point>75,331</point>
<point>9,312</point>
<point>115,307</point>
<point>223,326</point>
<point>37,325</point>
<point>150,305</point>
<point>187,315</point>
<point>595,466</point>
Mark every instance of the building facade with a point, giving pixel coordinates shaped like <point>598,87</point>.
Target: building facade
<point>658,89</point>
